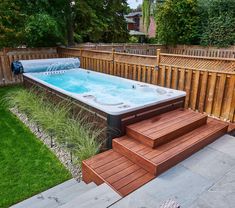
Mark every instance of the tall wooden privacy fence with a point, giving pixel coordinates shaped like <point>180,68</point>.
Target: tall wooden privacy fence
<point>8,55</point>
<point>207,91</point>
<point>210,85</point>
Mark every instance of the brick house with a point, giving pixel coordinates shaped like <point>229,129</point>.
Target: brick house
<point>134,22</point>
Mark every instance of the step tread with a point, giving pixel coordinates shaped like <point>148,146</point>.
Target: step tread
<point>38,198</point>
<point>163,128</point>
<point>99,197</point>
<point>59,198</point>
<point>119,172</point>
<point>162,153</point>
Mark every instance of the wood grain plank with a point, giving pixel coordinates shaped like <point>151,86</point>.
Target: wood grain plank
<point>136,184</point>
<point>129,178</point>
<point>188,86</point>
<point>211,91</point>
<point>194,94</point>
<point>203,92</point>
<point>116,169</point>
<point>218,104</point>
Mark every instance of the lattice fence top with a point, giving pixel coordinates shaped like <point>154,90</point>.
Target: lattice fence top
<point>216,64</point>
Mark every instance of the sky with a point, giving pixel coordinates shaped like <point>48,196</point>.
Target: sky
<point>134,3</point>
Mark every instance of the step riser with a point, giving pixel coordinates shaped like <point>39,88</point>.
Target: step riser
<point>165,165</point>
<point>181,131</point>
<point>88,175</point>
<point>137,159</point>
<point>139,137</point>
<point>168,137</point>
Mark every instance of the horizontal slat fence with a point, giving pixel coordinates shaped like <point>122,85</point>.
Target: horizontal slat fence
<point>195,50</point>
<point>212,92</point>
<point>8,55</point>
<point>150,49</point>
<point>142,49</point>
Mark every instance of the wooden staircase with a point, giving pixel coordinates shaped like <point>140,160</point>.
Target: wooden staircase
<point>150,147</point>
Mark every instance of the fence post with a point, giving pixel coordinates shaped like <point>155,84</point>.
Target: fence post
<point>8,78</point>
<point>113,57</point>
<point>81,58</point>
<point>124,48</point>
<point>158,58</point>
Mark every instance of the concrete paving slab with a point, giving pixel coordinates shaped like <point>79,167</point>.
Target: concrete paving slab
<point>220,195</point>
<point>212,199</point>
<point>226,184</point>
<point>179,184</point>
<point>225,144</point>
<point>210,163</point>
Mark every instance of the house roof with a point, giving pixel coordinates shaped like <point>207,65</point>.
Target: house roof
<point>128,20</point>
<point>132,14</point>
<point>136,33</point>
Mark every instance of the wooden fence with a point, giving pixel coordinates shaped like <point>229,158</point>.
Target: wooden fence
<point>208,90</point>
<point>8,55</point>
<point>150,49</point>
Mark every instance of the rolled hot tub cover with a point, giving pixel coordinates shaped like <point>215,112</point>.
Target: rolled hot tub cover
<point>44,65</point>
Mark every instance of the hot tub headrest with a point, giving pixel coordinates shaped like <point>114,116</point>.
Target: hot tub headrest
<point>43,65</point>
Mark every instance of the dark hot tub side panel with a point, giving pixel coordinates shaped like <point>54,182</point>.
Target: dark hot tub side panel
<point>114,125</point>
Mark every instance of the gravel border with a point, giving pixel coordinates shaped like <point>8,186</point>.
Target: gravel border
<point>61,152</point>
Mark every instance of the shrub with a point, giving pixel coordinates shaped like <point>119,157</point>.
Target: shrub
<point>218,23</point>
<point>177,21</point>
<point>133,39</point>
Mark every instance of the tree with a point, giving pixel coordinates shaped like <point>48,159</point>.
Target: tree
<point>218,23</point>
<point>61,21</point>
<point>47,29</point>
<point>148,7</point>
<point>178,22</point>
<point>116,30</point>
<point>11,23</point>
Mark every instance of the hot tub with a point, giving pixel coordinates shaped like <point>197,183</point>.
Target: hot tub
<point>115,102</point>
<point>110,94</point>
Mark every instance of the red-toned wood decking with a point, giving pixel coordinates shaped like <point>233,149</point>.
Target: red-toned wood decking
<point>116,170</point>
<point>150,147</point>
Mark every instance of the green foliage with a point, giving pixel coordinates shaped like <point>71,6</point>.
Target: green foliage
<point>177,22</point>
<point>133,39</point>
<point>116,30</point>
<point>11,23</point>
<point>218,23</point>
<point>47,30</point>
<point>27,167</point>
<point>47,23</point>
<point>146,7</point>
<point>76,133</point>
<point>194,22</point>
<point>152,41</point>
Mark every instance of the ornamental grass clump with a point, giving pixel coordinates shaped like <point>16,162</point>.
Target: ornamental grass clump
<point>83,138</point>
<point>77,132</point>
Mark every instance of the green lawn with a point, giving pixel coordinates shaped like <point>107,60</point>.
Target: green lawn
<point>27,167</point>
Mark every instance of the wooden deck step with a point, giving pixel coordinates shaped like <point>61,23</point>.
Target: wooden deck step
<point>165,127</point>
<point>159,159</point>
<point>116,170</point>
